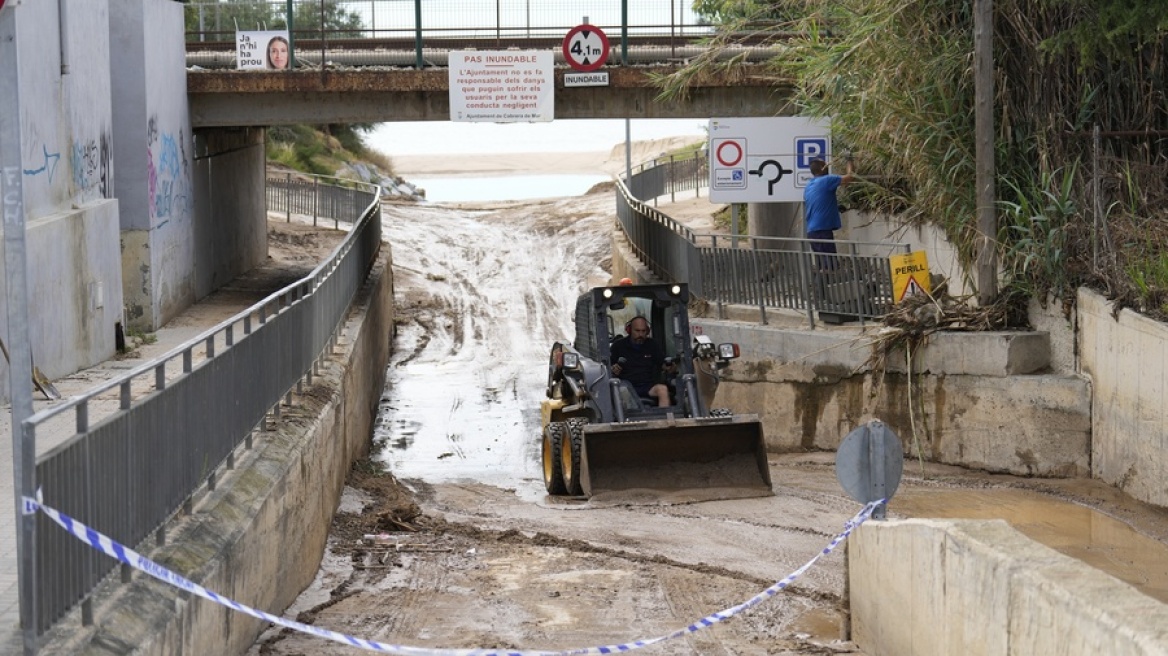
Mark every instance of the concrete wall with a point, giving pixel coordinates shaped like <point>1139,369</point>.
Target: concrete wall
<point>156,190</point>
<point>976,399</point>
<point>74,286</point>
<point>980,588</point>
<point>259,537</point>
<point>230,227</point>
<point>943,257</point>
<point>72,249</point>
<point>1126,357</point>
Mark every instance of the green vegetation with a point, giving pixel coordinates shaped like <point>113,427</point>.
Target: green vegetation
<point>323,150</point>
<point>219,20</point>
<point>896,79</point>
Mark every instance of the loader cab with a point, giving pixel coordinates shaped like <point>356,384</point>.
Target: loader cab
<point>610,309</point>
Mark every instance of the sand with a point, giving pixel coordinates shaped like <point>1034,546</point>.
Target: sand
<point>611,162</point>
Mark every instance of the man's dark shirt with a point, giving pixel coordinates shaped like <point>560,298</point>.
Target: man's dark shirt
<point>642,365</point>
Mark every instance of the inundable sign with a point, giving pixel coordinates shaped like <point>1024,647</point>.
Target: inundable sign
<point>501,86</point>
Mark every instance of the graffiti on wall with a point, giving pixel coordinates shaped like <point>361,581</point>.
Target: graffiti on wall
<point>168,175</point>
<point>93,168</point>
<point>49,164</point>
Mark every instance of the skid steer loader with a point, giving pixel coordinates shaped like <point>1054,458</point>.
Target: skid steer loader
<point>601,439</point>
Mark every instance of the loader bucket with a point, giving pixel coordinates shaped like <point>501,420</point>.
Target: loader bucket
<point>675,460</point>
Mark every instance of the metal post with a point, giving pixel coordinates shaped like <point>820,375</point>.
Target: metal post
<point>291,39</point>
<point>624,32</point>
<point>20,355</point>
<point>628,153</point>
<point>734,225</point>
<point>875,444</point>
<point>418,63</point>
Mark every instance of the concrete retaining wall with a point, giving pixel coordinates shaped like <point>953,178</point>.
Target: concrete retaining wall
<point>259,537</point>
<point>980,588</point>
<point>231,215</point>
<point>1126,357</point>
<point>66,175</point>
<point>974,400</point>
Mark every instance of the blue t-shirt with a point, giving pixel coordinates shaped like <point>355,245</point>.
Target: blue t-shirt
<point>821,208</point>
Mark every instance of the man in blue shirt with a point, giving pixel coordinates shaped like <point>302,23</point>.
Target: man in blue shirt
<point>820,206</point>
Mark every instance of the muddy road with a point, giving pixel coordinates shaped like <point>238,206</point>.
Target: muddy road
<point>460,548</point>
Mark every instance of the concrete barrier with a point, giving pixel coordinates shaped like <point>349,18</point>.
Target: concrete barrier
<point>259,536</point>
<point>980,588</point>
<point>1126,357</point>
<point>973,399</point>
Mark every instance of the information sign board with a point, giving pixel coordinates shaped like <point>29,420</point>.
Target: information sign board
<point>759,160</point>
<point>504,86</point>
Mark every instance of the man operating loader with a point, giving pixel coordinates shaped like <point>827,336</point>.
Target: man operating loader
<point>638,360</point>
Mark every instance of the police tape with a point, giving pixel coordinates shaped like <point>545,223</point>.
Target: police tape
<point>132,558</point>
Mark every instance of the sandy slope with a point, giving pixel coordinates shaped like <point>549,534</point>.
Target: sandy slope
<point>611,161</point>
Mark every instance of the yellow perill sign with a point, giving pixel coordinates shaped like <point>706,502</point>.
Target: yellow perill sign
<point>910,275</point>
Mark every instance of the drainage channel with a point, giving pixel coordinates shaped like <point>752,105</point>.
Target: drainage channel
<point>1096,539</point>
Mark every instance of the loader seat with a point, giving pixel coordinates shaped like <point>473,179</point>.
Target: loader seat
<point>637,406</point>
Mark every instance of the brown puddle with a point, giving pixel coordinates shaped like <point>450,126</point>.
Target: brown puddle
<point>1094,538</point>
<point>820,624</point>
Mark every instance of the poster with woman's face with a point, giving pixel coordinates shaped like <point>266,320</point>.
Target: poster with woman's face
<point>269,50</point>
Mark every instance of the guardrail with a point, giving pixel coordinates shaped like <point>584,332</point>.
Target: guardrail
<point>419,34</point>
<point>764,272</point>
<point>130,471</point>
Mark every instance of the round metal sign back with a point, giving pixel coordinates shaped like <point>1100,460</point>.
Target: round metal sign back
<point>869,462</point>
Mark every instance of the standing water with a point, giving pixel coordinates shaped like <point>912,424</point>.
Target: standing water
<point>480,297</point>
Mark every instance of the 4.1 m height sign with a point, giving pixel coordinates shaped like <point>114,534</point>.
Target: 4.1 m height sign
<point>761,160</point>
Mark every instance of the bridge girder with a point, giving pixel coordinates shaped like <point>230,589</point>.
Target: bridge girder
<point>262,98</point>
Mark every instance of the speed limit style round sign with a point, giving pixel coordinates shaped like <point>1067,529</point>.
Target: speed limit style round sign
<point>586,48</point>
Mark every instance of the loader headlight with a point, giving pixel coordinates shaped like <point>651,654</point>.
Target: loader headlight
<point>675,290</point>
<point>571,360</point>
<point>607,293</point>
<point>728,351</point>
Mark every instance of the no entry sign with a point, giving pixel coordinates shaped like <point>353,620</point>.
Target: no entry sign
<point>586,48</point>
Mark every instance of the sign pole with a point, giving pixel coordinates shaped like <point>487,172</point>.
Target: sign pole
<point>20,363</point>
<point>628,152</point>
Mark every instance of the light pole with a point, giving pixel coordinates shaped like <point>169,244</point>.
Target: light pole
<point>20,356</point>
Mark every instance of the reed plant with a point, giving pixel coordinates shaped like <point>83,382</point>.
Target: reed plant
<point>895,77</point>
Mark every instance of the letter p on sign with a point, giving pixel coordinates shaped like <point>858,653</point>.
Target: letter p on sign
<point>807,149</point>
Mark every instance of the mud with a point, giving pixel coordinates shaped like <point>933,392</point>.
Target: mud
<point>465,550</point>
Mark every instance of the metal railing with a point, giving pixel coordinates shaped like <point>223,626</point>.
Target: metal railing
<point>318,197</point>
<point>419,33</point>
<point>129,472</point>
<point>764,272</point>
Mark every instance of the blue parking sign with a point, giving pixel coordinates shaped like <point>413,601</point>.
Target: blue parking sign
<point>807,149</point>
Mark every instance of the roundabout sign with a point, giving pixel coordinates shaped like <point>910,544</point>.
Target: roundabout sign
<point>586,48</point>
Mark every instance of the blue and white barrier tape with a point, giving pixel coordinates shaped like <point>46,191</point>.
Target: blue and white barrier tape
<point>137,561</point>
